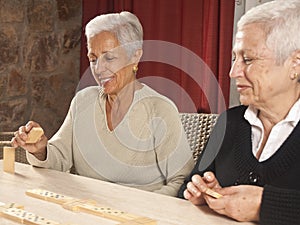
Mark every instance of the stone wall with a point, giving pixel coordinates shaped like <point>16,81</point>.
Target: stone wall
<point>39,61</point>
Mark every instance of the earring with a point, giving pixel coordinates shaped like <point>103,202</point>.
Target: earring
<point>135,69</point>
<point>295,76</point>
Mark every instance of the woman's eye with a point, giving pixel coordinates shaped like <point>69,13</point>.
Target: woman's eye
<point>247,61</point>
<point>109,57</point>
<point>93,61</point>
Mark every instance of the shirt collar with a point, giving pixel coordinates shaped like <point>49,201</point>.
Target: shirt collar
<point>251,116</point>
<point>294,114</point>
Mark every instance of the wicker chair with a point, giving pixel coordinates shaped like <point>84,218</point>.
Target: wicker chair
<point>20,153</point>
<point>197,127</point>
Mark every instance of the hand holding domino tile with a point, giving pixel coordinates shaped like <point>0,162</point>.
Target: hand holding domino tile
<point>210,182</point>
<point>200,186</point>
<point>31,138</point>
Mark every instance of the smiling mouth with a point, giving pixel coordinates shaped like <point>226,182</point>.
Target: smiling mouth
<point>105,80</point>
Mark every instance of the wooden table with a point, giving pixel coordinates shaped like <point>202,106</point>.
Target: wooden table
<point>164,209</point>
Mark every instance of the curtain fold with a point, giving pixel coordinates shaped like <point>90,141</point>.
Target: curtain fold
<point>187,48</point>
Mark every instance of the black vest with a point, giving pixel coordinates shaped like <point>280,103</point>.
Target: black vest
<point>235,164</point>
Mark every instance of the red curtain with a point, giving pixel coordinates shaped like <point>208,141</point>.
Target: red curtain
<point>187,48</point>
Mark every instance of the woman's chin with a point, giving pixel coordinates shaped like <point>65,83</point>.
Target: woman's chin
<point>245,101</point>
<point>108,89</point>
<point>108,86</point>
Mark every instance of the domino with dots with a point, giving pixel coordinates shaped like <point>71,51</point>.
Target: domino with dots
<point>24,217</point>
<point>49,196</point>
<point>106,212</point>
<point>4,206</point>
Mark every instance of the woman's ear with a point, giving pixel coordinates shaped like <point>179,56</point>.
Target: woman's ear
<point>137,56</point>
<point>295,66</point>
<point>296,60</point>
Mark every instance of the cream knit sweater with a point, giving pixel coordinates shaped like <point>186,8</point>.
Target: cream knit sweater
<point>147,150</point>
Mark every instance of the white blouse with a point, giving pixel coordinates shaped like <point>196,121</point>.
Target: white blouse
<point>278,134</point>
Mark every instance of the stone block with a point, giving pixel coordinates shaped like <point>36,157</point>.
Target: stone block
<point>68,8</point>
<point>8,45</point>
<point>41,15</point>
<point>17,85</point>
<point>13,113</point>
<point>53,92</point>
<point>41,53</point>
<point>71,39</point>
<point>3,85</point>
<point>12,10</point>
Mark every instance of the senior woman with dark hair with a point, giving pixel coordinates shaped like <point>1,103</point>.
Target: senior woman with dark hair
<point>255,163</point>
<point>121,131</point>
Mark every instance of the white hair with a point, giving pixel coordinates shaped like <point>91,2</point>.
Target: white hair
<point>280,19</point>
<point>125,26</point>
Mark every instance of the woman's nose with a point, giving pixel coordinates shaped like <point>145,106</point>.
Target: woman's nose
<point>100,66</point>
<point>236,70</point>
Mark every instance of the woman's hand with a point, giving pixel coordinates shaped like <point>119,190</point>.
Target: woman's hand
<point>241,202</point>
<point>38,149</point>
<point>196,188</point>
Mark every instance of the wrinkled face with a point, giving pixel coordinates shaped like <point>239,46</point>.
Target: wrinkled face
<point>109,62</point>
<point>258,78</point>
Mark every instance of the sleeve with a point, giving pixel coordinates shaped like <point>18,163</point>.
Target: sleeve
<point>174,156</point>
<point>280,206</point>
<point>173,183</point>
<point>206,160</point>
<point>59,148</point>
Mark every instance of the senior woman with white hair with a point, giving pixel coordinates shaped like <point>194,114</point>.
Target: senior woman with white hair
<point>255,163</point>
<point>121,131</point>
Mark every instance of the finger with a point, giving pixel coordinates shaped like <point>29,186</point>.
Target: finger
<point>211,180</point>
<point>187,195</point>
<point>209,176</point>
<point>21,133</point>
<point>198,181</point>
<point>14,143</point>
<point>19,141</point>
<point>194,191</point>
<point>20,137</point>
<point>30,125</point>
<point>196,200</point>
<point>22,129</point>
